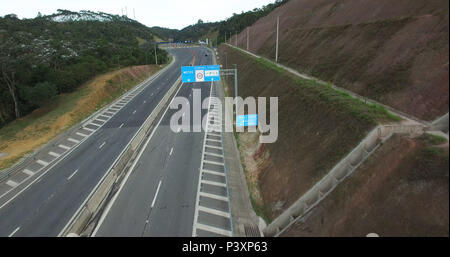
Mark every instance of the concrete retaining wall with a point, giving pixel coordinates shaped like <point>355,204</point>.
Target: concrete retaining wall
<point>338,174</point>
<point>97,199</point>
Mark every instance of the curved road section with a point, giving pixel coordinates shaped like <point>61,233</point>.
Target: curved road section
<point>46,203</point>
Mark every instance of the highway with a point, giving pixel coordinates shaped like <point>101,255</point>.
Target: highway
<point>158,197</point>
<point>46,203</point>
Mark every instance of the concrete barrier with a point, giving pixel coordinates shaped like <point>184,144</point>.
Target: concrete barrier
<point>95,202</point>
<point>338,174</point>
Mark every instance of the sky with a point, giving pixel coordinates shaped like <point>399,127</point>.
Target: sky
<point>174,14</point>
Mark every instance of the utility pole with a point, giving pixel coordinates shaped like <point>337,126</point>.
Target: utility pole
<point>276,45</point>
<point>225,37</point>
<point>235,87</point>
<point>248,37</point>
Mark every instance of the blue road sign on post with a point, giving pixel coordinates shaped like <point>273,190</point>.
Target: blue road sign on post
<point>247,120</point>
<point>206,73</point>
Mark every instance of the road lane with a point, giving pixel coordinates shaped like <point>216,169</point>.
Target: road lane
<point>46,206</point>
<point>158,198</point>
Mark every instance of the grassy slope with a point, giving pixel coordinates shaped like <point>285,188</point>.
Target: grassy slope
<point>397,55</point>
<point>318,126</point>
<point>402,190</point>
<point>24,135</point>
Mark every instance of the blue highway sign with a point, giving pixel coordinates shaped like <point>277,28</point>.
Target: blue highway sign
<point>247,120</point>
<point>200,73</point>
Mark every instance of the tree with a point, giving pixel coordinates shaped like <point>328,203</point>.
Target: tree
<point>10,82</point>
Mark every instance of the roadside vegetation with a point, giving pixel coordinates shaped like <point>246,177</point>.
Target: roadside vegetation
<point>47,56</point>
<point>26,134</point>
<point>317,126</point>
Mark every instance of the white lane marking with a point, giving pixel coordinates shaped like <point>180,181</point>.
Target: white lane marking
<point>213,183</point>
<point>184,114</point>
<point>214,154</point>
<point>12,183</point>
<point>15,231</point>
<point>214,172</point>
<point>73,140</point>
<point>39,178</point>
<point>195,223</point>
<point>64,147</point>
<point>89,129</point>
<point>81,134</point>
<point>54,154</point>
<point>103,117</point>
<point>212,146</point>
<point>100,147</point>
<point>213,162</point>
<point>145,101</point>
<point>218,197</point>
<point>121,125</point>
<point>214,140</point>
<point>28,172</point>
<point>71,175</point>
<point>42,162</point>
<point>157,191</point>
<point>171,150</point>
<point>124,181</point>
<point>213,229</point>
<point>134,111</point>
<point>214,211</point>
<point>99,122</point>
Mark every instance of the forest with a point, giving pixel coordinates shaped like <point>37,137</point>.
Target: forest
<point>54,54</point>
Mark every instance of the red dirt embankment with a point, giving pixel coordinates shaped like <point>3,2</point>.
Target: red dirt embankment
<point>402,190</point>
<point>317,127</point>
<point>392,51</point>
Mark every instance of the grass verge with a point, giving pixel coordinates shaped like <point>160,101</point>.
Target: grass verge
<point>25,135</point>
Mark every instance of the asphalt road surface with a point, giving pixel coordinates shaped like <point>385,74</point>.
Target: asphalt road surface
<point>47,205</point>
<point>158,197</point>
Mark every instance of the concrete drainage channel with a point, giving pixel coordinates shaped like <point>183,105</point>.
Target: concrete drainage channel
<point>62,145</point>
<point>338,174</point>
<point>85,219</point>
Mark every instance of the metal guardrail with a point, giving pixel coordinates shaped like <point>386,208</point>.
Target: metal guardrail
<point>98,197</point>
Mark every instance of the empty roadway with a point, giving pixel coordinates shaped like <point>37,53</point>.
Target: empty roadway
<point>45,207</point>
<point>158,197</point>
